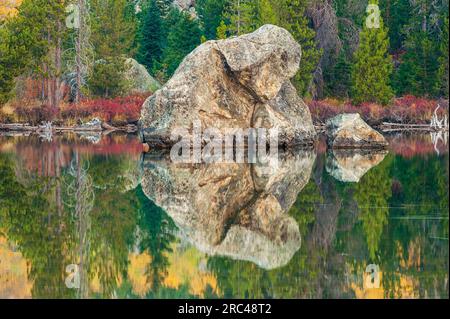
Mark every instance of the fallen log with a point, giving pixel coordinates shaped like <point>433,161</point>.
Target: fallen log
<point>25,127</point>
<point>406,125</point>
<point>392,127</point>
<point>17,127</point>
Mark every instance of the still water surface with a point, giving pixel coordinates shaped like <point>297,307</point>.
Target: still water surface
<point>91,218</point>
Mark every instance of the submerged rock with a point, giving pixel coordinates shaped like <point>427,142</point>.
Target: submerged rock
<point>141,81</point>
<point>349,166</point>
<point>241,82</point>
<point>350,131</point>
<point>233,210</point>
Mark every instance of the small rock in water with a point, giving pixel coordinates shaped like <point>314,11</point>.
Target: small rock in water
<point>349,131</point>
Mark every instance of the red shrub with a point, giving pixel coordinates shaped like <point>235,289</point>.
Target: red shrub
<point>126,108</point>
<point>36,114</point>
<point>407,109</point>
<point>410,109</point>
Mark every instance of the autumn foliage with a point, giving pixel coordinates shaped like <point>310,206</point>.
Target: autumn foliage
<point>120,110</point>
<point>8,8</point>
<point>408,109</point>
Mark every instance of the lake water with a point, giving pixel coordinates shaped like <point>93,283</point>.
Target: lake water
<point>76,221</point>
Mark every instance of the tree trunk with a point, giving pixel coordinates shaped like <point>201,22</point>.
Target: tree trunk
<point>57,81</point>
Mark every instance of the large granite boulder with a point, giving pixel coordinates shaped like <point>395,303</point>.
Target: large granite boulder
<point>233,210</point>
<point>349,131</point>
<point>241,82</point>
<point>140,80</point>
<point>349,166</point>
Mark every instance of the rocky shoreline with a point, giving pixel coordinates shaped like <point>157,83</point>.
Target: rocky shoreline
<point>102,127</point>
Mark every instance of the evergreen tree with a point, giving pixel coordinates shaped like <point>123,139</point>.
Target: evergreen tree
<point>240,15</point>
<point>150,36</point>
<point>266,13</point>
<point>372,66</point>
<point>210,14</point>
<point>292,18</point>
<point>165,6</point>
<point>418,72</point>
<point>338,80</point>
<point>112,32</point>
<point>108,79</point>
<point>184,36</point>
<point>442,83</point>
<point>31,43</point>
<point>221,31</point>
<point>10,63</point>
<point>396,15</point>
<point>112,37</point>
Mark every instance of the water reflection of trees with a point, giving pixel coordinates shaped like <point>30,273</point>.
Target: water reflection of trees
<point>63,207</point>
<point>78,214</point>
<point>396,217</point>
<point>76,209</point>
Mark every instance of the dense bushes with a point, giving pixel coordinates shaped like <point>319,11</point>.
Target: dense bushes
<point>407,109</point>
<point>35,114</point>
<point>118,111</point>
<point>123,110</point>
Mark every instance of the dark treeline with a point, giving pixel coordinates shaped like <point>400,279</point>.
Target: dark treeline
<point>348,52</point>
<point>407,54</point>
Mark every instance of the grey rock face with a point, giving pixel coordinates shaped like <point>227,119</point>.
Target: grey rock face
<point>186,6</point>
<point>234,210</point>
<point>350,131</point>
<point>242,82</point>
<point>141,81</point>
<point>349,166</point>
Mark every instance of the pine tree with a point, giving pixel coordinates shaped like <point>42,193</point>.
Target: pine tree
<point>240,15</point>
<point>184,37</point>
<point>418,72</point>
<point>112,33</point>
<point>32,43</point>
<point>9,67</point>
<point>338,80</point>
<point>112,37</point>
<point>165,6</point>
<point>266,13</point>
<point>210,15</point>
<point>108,80</point>
<point>396,15</point>
<point>221,31</point>
<point>443,79</point>
<point>372,66</point>
<point>150,36</point>
<point>292,18</point>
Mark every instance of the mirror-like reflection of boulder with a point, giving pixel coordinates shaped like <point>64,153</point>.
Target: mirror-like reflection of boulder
<point>233,210</point>
<point>349,166</point>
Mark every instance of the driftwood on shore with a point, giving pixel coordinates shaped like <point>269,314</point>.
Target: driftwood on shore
<point>25,127</point>
<point>393,127</point>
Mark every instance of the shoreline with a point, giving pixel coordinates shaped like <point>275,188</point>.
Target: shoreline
<point>132,128</point>
<point>104,127</point>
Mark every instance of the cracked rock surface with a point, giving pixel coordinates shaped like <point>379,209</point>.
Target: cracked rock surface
<point>234,210</point>
<point>349,131</point>
<point>241,82</point>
